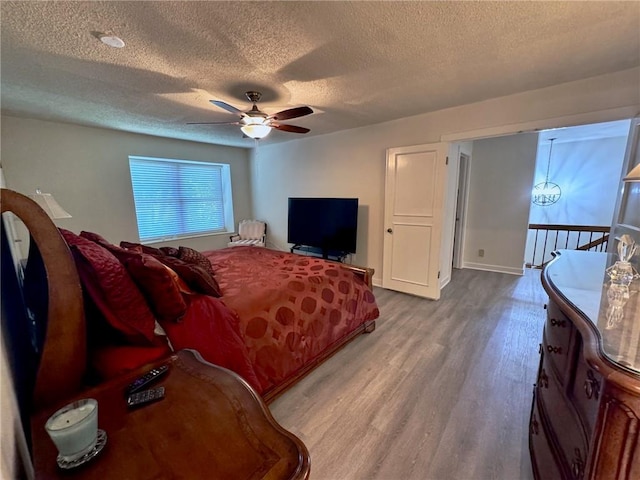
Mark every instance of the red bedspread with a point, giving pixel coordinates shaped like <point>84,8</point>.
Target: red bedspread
<point>291,308</point>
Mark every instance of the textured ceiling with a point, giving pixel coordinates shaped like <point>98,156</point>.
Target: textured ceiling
<point>354,63</point>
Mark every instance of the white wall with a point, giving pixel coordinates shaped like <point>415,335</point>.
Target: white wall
<point>499,200</point>
<point>351,163</point>
<point>87,171</point>
<point>588,173</point>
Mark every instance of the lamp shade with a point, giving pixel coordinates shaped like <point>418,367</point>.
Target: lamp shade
<point>49,205</point>
<point>256,131</point>
<point>633,175</point>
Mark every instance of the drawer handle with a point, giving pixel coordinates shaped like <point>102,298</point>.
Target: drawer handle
<point>591,386</point>
<point>544,379</point>
<point>552,349</point>
<point>558,323</point>
<point>539,348</point>
<point>533,426</point>
<point>577,465</point>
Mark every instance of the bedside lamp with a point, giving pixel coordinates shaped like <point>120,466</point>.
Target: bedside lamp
<point>49,205</point>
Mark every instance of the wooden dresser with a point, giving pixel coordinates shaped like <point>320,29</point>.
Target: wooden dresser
<point>584,420</point>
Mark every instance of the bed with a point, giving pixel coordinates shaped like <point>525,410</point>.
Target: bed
<point>294,310</point>
<point>269,316</point>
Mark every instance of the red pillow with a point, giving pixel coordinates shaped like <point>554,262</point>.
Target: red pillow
<point>113,361</point>
<point>139,247</point>
<point>212,328</point>
<point>155,281</point>
<point>195,276</point>
<point>115,294</point>
<point>194,257</point>
<point>159,286</point>
<point>171,251</point>
<point>180,283</point>
<point>94,237</point>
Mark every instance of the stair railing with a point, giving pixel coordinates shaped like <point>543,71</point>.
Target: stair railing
<point>546,238</point>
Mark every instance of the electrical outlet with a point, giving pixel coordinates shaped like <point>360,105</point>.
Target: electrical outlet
<point>481,252</point>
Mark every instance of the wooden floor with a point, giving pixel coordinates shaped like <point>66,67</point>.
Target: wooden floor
<point>440,390</point>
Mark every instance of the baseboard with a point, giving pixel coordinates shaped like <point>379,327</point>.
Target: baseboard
<point>494,268</point>
<point>377,282</point>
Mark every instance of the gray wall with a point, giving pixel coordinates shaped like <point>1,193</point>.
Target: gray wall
<point>499,200</point>
<point>352,163</point>
<point>87,171</point>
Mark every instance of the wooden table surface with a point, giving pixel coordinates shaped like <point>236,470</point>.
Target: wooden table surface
<point>210,424</point>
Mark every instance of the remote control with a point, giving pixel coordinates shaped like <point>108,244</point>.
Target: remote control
<point>147,379</point>
<point>145,396</point>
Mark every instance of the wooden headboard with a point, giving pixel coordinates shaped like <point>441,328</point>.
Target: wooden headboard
<point>64,355</point>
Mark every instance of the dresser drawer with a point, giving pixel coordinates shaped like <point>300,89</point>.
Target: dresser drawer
<point>559,325</point>
<point>559,334</point>
<point>543,461</point>
<point>567,429</point>
<point>559,352</point>
<point>586,393</point>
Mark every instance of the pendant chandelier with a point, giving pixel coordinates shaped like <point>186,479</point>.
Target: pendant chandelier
<point>546,193</point>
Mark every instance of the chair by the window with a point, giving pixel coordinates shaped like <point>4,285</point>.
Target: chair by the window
<point>250,233</point>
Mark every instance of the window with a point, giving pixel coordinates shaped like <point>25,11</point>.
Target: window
<point>178,198</point>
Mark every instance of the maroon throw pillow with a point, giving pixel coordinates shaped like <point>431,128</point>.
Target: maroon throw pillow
<point>194,257</point>
<point>152,277</point>
<point>171,251</point>
<point>94,237</point>
<point>140,247</point>
<point>195,276</point>
<point>110,286</point>
<point>158,285</point>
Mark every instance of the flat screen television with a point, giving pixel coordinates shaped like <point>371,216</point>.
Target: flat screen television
<point>328,224</point>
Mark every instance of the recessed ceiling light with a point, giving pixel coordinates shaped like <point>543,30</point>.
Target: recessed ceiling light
<point>112,41</point>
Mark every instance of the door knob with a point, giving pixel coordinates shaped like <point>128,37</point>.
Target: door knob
<point>389,230</point>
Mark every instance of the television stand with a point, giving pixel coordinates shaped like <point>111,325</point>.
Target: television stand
<point>335,255</point>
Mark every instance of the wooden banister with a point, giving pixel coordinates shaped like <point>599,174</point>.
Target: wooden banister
<point>571,228</point>
<point>568,237</point>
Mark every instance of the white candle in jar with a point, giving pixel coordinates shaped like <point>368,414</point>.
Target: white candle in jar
<point>74,428</point>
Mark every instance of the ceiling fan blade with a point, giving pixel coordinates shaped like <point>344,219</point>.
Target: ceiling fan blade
<point>292,113</point>
<point>213,123</point>
<point>227,107</point>
<point>290,128</point>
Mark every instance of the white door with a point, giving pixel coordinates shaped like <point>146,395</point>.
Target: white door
<point>414,197</point>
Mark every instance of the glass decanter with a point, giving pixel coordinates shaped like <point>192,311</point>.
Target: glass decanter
<point>622,272</point>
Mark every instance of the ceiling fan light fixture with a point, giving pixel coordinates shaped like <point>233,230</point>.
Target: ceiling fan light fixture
<point>257,124</point>
<point>256,131</point>
<point>254,120</point>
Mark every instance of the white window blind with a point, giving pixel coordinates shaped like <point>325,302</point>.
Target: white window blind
<point>178,198</point>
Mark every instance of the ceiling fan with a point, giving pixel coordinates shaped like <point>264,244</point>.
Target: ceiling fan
<point>257,124</point>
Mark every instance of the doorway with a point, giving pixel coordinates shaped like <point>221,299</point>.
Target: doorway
<point>461,209</point>
<point>586,162</point>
